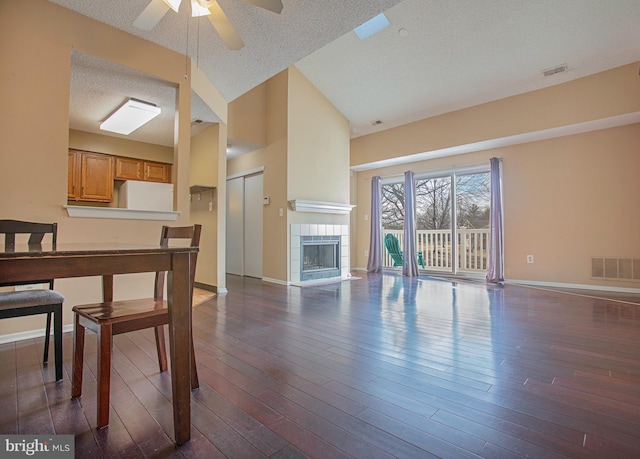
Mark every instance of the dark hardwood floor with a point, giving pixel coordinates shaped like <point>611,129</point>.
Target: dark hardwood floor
<point>378,367</point>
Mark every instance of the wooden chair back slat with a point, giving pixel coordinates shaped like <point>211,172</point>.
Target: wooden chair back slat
<point>36,232</point>
<point>169,233</point>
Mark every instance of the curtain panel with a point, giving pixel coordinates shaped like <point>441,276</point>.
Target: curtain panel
<point>374,263</point>
<point>495,263</point>
<point>409,252</point>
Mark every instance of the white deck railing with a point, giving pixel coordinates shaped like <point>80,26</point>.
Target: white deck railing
<point>435,245</point>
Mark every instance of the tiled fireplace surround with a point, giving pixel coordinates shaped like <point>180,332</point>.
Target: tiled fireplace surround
<point>317,229</point>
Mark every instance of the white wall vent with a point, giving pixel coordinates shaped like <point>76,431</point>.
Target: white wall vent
<point>615,268</point>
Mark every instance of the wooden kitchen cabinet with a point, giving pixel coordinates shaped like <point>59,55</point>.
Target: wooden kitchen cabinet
<point>72,181</point>
<point>138,169</point>
<point>90,177</point>
<point>129,169</point>
<point>157,172</point>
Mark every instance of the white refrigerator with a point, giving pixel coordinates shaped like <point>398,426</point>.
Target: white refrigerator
<point>137,195</point>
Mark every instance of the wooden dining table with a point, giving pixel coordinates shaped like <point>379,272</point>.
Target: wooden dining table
<point>64,260</point>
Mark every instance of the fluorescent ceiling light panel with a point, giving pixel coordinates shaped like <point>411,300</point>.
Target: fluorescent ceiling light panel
<point>130,116</point>
<point>373,25</point>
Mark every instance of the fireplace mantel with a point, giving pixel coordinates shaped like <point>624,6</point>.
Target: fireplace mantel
<point>301,205</point>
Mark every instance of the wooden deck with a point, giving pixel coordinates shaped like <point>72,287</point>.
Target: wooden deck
<point>379,367</point>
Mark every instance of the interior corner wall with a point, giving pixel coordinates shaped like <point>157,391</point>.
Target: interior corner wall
<point>248,117</point>
<point>318,150</point>
<point>36,40</point>
<point>318,158</point>
<point>275,247</point>
<point>206,205</point>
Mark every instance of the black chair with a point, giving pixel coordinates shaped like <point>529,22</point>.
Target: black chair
<point>111,318</point>
<point>31,302</point>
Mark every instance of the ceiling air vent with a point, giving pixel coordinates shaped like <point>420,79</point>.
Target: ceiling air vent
<point>558,69</point>
<point>196,121</point>
<point>376,123</point>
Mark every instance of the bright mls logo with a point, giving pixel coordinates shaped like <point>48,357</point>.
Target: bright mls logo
<point>46,446</point>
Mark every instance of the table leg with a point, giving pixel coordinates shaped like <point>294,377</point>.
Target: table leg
<point>179,304</point>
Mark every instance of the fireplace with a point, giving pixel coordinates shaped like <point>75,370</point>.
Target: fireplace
<point>319,253</point>
<point>320,257</point>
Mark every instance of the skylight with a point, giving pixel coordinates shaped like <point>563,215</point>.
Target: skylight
<point>373,25</point>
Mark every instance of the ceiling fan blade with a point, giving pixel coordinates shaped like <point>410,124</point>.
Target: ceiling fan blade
<point>151,15</point>
<point>271,5</point>
<point>224,28</point>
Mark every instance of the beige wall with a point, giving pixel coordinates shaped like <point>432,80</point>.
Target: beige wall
<point>275,260</point>
<point>246,162</point>
<point>204,206</point>
<point>607,94</point>
<point>248,117</point>
<point>566,199</point>
<point>36,39</point>
<point>306,157</point>
<point>318,153</point>
<point>119,147</point>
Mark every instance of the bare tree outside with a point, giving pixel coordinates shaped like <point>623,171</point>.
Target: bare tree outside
<point>473,197</point>
<point>392,204</point>
<point>433,203</point>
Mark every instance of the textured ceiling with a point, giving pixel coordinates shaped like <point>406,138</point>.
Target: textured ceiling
<point>461,53</point>
<point>452,54</point>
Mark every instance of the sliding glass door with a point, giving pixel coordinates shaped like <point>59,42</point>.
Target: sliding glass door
<point>434,222</point>
<point>473,193</point>
<point>452,220</point>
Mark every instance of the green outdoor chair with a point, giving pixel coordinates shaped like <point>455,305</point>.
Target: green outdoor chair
<point>393,247</point>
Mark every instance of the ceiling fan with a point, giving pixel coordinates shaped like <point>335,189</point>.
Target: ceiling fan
<point>156,9</point>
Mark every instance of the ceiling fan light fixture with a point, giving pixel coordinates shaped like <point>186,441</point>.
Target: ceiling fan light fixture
<point>197,9</point>
<point>173,4</point>
<point>130,116</point>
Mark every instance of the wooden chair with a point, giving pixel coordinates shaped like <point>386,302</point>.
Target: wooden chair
<point>111,318</point>
<point>32,302</point>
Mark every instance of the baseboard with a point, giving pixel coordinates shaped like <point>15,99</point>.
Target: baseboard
<point>600,288</point>
<point>31,334</point>
<point>207,287</point>
<point>275,281</point>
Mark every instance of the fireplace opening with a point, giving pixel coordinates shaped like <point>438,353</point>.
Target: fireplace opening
<point>320,257</point>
